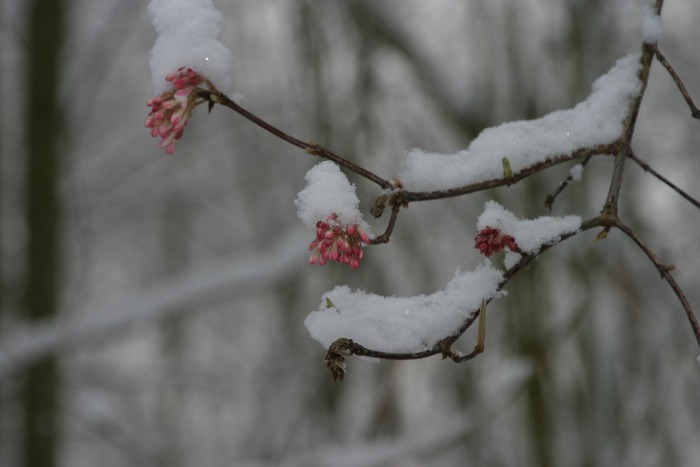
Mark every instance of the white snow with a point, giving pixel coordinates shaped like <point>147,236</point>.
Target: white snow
<point>651,24</point>
<point>328,191</point>
<point>402,324</point>
<point>511,258</point>
<point>188,35</point>
<point>576,172</point>
<point>529,234</point>
<point>597,120</point>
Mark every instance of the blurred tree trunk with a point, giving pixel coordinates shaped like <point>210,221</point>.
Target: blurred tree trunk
<point>40,394</point>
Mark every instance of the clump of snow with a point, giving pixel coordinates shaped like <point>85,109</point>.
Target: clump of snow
<point>328,191</point>
<point>529,234</point>
<point>576,172</point>
<point>188,36</point>
<point>597,120</point>
<point>402,324</point>
<point>651,24</point>
<point>511,258</point>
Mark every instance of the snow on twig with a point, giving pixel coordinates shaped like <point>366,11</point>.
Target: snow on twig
<point>598,120</point>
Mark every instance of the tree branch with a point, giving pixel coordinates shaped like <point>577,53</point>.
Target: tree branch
<point>694,111</point>
<point>549,200</point>
<point>611,202</point>
<point>181,295</point>
<point>602,149</point>
<point>650,169</point>
<point>343,347</point>
<point>665,271</point>
<point>310,147</point>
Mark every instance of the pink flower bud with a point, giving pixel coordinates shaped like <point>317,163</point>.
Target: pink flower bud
<point>171,111</point>
<point>337,242</point>
<point>490,241</point>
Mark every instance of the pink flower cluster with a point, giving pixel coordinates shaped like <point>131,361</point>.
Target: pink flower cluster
<point>490,241</point>
<point>171,111</point>
<point>336,242</point>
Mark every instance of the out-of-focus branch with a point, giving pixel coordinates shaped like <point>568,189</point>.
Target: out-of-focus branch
<point>183,294</point>
<point>694,111</point>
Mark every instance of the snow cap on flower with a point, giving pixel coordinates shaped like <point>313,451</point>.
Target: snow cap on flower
<point>328,192</point>
<point>328,204</point>
<point>188,36</point>
<point>501,227</point>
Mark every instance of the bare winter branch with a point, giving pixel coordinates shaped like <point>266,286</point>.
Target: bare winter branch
<point>310,147</point>
<point>665,271</point>
<point>694,111</point>
<point>674,187</point>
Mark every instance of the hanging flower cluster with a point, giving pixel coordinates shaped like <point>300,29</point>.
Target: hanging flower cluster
<point>171,111</point>
<point>335,242</point>
<point>490,241</point>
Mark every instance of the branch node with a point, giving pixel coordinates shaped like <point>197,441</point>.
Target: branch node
<point>335,357</point>
<point>313,148</point>
<point>665,269</point>
<point>602,235</point>
<point>445,350</point>
<point>507,171</point>
<point>379,205</point>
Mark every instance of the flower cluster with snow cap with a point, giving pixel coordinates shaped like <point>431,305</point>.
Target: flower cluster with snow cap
<point>328,204</point>
<point>188,41</point>
<point>171,111</point>
<point>499,228</point>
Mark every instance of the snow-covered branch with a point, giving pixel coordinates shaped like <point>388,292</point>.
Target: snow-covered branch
<point>366,324</point>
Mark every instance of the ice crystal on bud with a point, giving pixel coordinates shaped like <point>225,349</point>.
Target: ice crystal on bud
<point>171,111</point>
<point>336,242</point>
<point>490,241</point>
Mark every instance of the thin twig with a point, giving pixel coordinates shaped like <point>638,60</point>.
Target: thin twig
<point>310,147</point>
<point>386,236</point>
<point>648,168</point>
<point>694,111</point>
<point>665,271</point>
<point>549,201</point>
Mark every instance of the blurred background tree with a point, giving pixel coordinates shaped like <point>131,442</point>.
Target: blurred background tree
<point>589,360</point>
